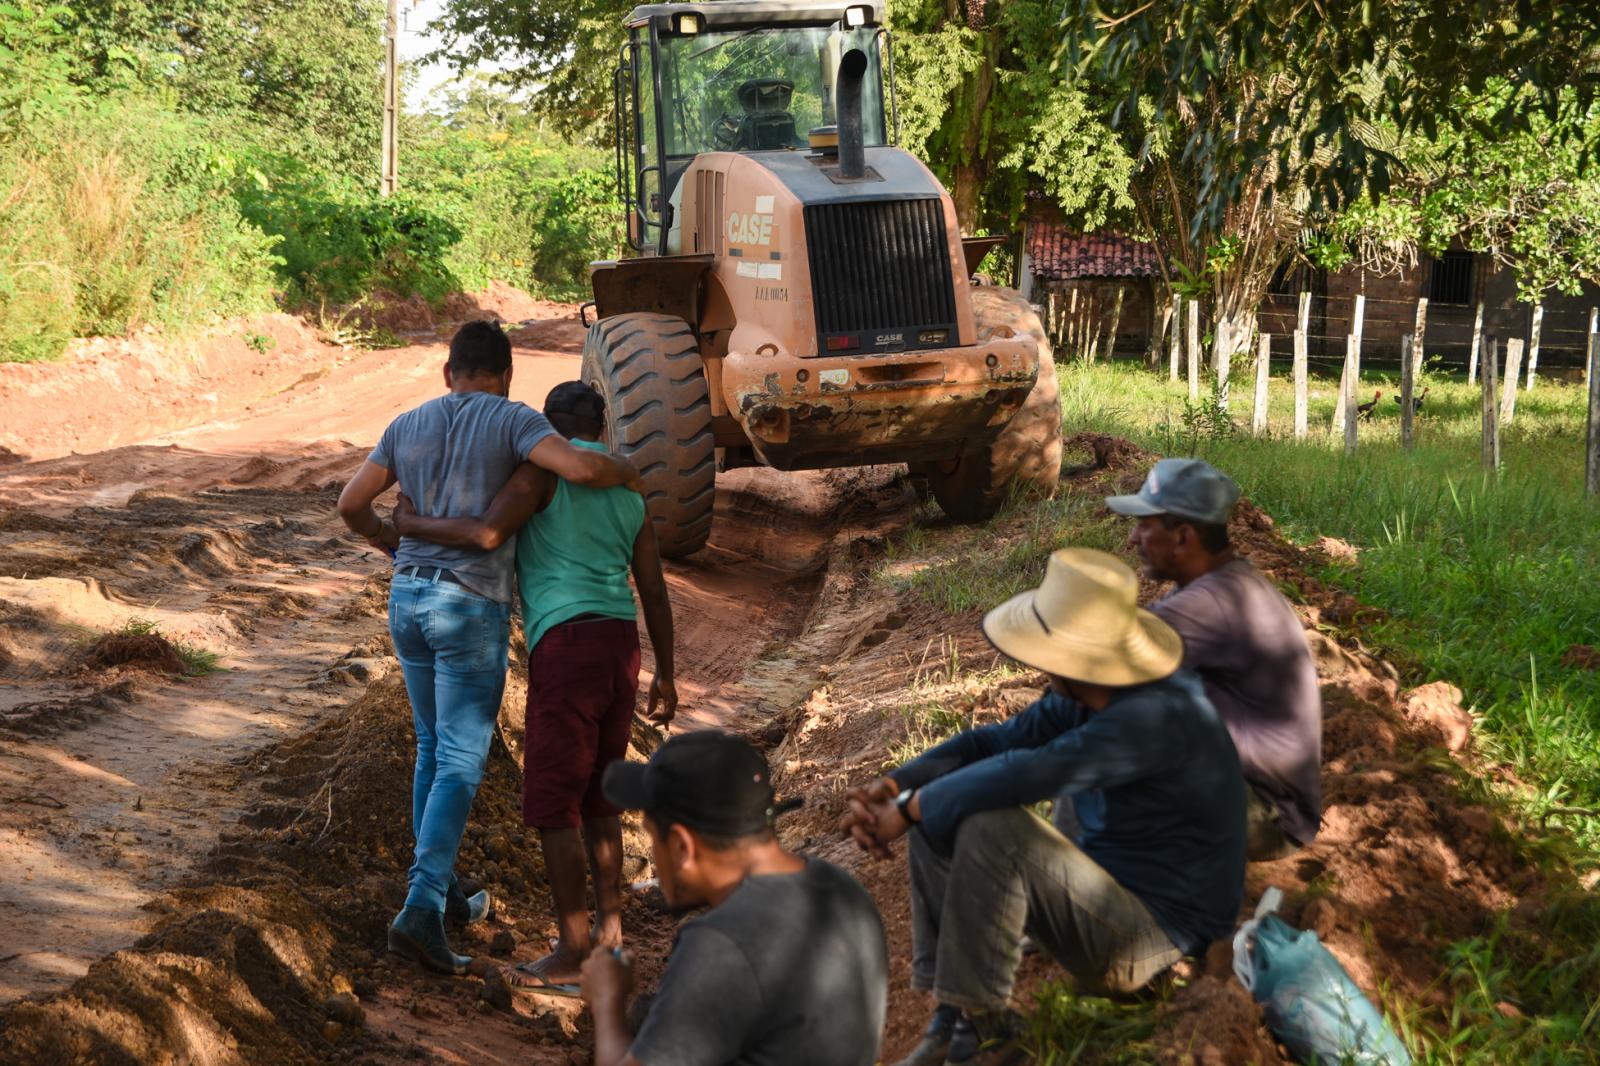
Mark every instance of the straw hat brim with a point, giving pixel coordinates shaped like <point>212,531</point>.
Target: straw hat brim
<point>1150,651</point>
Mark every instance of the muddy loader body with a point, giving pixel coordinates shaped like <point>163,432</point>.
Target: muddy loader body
<point>800,296</point>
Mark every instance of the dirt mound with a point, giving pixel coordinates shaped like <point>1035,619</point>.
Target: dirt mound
<point>226,978</point>
<point>501,303</point>
<point>41,718</point>
<point>139,651</point>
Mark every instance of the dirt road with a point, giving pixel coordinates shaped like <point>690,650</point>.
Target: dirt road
<point>114,779</point>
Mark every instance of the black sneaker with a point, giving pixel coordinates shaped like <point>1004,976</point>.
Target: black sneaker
<point>987,1038</point>
<point>935,1043</point>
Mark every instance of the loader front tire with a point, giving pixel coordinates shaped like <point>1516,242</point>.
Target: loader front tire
<point>1028,451</point>
<point>658,416</point>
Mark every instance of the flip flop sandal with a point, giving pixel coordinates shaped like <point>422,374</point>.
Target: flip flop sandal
<point>524,979</point>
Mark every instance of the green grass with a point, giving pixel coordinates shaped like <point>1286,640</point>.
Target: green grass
<point>200,661</point>
<point>1483,580</point>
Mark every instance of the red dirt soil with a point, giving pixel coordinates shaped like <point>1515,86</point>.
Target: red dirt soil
<point>210,862</point>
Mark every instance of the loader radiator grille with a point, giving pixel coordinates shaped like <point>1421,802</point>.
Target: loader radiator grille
<point>880,276</point>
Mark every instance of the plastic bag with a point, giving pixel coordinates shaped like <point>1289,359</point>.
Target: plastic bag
<point>1310,1003</point>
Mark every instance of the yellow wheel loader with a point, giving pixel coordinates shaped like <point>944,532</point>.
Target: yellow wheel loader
<point>800,294</point>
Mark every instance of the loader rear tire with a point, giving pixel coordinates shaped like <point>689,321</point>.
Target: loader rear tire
<point>1028,451</point>
<point>658,415</point>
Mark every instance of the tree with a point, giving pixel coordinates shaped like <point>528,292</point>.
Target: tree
<point>982,103</point>
<point>1252,119</point>
<point>1523,197</point>
<point>566,50</point>
<point>1305,82</point>
<point>308,69</point>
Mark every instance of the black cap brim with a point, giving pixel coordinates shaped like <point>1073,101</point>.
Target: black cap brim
<point>628,785</point>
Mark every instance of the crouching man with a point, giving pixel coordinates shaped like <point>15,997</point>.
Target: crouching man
<point>1158,871</point>
<point>787,968</point>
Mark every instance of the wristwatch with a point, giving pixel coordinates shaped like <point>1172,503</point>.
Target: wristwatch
<point>902,803</point>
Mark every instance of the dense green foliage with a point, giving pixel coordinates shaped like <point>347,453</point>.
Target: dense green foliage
<point>164,164</point>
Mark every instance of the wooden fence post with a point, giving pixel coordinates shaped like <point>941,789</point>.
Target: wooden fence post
<point>1303,322</point>
<point>1352,357</point>
<point>1533,342</point>
<point>1360,314</point>
<point>1194,350</point>
<point>1352,366</point>
<point>1222,356</point>
<point>1300,345</point>
<point>1408,388</point>
<point>1417,337</point>
<point>1110,348</point>
<point>1594,327</point>
<point>1591,479</point>
<point>1177,335</point>
<point>1491,424</point>
<point>1477,343</point>
<point>1508,399</point>
<point>1258,415</point>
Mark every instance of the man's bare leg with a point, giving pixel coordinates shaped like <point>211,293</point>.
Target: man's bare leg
<point>603,838</point>
<point>564,869</point>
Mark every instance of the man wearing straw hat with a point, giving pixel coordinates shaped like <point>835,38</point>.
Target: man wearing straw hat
<point>1158,870</point>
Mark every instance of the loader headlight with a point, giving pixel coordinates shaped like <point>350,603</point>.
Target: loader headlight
<point>687,24</point>
<point>857,16</point>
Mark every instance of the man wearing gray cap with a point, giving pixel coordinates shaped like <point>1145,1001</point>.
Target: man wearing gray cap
<point>1243,639</point>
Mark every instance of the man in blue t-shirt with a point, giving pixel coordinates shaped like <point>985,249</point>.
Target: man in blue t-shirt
<point>450,607</point>
<point>1158,870</point>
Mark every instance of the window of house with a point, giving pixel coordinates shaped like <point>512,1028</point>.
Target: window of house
<point>1451,279</point>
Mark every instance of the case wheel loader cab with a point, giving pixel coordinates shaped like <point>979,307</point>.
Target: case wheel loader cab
<point>798,292</point>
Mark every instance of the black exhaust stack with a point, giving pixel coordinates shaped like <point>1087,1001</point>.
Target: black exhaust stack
<point>852,150</point>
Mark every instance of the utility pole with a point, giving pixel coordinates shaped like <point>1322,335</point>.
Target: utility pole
<point>391,100</point>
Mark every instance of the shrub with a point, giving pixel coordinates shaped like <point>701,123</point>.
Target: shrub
<point>338,242</point>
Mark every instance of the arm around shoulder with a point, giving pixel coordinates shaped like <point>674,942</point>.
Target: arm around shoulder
<point>583,466</point>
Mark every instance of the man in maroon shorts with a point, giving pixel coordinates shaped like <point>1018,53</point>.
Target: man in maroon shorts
<point>575,548</point>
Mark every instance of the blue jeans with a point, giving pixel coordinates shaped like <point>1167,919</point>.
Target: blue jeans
<point>452,646</point>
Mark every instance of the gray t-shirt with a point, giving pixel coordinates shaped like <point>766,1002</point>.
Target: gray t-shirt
<point>791,970</point>
<point>451,456</point>
<point>1246,643</point>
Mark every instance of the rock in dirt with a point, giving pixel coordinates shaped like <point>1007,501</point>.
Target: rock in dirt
<point>144,651</point>
<point>1339,552</point>
<point>496,991</point>
<point>1436,709</point>
<point>345,1009</point>
<point>503,944</point>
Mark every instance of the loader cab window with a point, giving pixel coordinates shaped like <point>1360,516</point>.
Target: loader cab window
<point>762,89</point>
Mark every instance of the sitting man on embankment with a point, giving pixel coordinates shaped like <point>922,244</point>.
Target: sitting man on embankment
<point>450,606</point>
<point>1157,872</point>
<point>575,549</point>
<point>788,967</point>
<point>1244,640</point>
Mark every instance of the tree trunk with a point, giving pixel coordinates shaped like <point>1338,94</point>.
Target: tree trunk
<point>972,169</point>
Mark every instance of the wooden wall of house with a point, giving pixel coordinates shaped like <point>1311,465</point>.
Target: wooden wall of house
<point>1390,314</point>
<point>1072,322</point>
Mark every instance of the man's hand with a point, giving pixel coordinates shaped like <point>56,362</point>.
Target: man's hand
<point>387,539</point>
<point>872,820</point>
<point>606,980</point>
<point>663,699</point>
<point>404,512</point>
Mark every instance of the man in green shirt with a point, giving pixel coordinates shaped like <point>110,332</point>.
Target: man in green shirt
<point>575,548</point>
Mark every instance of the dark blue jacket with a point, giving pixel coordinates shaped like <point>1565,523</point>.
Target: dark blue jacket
<point>1159,794</point>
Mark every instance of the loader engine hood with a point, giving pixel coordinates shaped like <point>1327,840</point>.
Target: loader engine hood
<point>882,250</point>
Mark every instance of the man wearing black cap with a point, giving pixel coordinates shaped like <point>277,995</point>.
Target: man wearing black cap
<point>575,549</point>
<point>788,968</point>
<point>1244,640</point>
